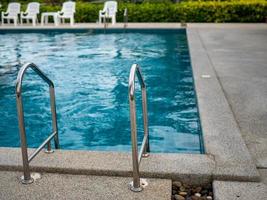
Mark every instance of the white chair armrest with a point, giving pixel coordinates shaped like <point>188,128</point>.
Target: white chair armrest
<point>102,12</point>
<point>4,13</point>
<point>23,13</point>
<point>60,13</point>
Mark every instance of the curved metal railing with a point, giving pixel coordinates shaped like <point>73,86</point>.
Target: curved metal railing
<point>136,184</point>
<point>26,178</point>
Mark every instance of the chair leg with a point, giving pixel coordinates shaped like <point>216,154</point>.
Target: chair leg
<point>15,21</point>
<point>72,21</point>
<point>3,19</point>
<point>42,20</point>
<point>100,19</point>
<point>56,20</point>
<point>33,21</point>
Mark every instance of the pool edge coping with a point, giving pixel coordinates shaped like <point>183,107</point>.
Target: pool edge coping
<point>183,167</point>
<point>221,135</point>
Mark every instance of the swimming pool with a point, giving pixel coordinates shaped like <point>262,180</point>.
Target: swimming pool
<point>90,70</point>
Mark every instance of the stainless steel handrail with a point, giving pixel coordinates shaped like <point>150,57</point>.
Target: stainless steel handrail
<point>136,184</point>
<point>26,178</point>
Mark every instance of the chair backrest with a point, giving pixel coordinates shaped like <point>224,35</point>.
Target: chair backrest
<point>68,8</point>
<point>111,7</point>
<point>33,8</point>
<point>13,9</point>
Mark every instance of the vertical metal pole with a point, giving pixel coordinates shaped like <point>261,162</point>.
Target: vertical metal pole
<point>26,178</point>
<point>125,18</point>
<point>48,148</point>
<point>54,115</point>
<point>145,121</point>
<point>135,186</point>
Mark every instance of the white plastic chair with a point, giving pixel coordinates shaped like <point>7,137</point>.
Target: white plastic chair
<point>109,11</point>
<point>67,12</point>
<point>12,12</point>
<point>33,9</point>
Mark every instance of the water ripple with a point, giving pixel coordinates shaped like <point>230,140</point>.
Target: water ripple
<point>90,72</point>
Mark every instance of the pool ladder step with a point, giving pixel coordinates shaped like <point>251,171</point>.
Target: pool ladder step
<point>137,184</point>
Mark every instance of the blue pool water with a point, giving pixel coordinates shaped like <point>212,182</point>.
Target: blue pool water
<point>90,72</point>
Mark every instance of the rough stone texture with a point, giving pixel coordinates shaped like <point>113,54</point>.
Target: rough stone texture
<point>141,25</point>
<point>227,26</point>
<point>226,190</point>
<point>59,187</point>
<point>184,167</point>
<point>222,137</point>
<point>239,58</point>
<point>236,57</point>
<point>95,26</point>
<point>263,173</point>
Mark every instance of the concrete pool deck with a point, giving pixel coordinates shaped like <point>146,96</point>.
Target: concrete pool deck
<point>238,58</point>
<point>239,26</point>
<point>232,105</point>
<point>79,187</point>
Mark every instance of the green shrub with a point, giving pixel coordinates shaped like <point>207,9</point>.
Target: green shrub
<point>164,11</point>
<point>227,11</point>
<point>206,11</point>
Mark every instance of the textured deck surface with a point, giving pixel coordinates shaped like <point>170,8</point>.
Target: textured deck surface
<point>59,186</point>
<point>224,190</point>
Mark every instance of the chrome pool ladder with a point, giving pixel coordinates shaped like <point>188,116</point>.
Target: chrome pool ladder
<point>26,178</point>
<point>137,184</point>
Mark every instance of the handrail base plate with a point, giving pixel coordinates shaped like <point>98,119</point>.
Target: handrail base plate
<point>34,177</point>
<point>134,189</point>
<point>49,151</point>
<point>143,184</point>
<point>26,182</point>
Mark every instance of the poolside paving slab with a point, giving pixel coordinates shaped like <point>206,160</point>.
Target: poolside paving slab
<point>51,26</point>
<point>151,25</point>
<point>234,56</point>
<point>62,186</point>
<point>239,58</point>
<point>263,173</point>
<point>227,190</point>
<point>222,137</point>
